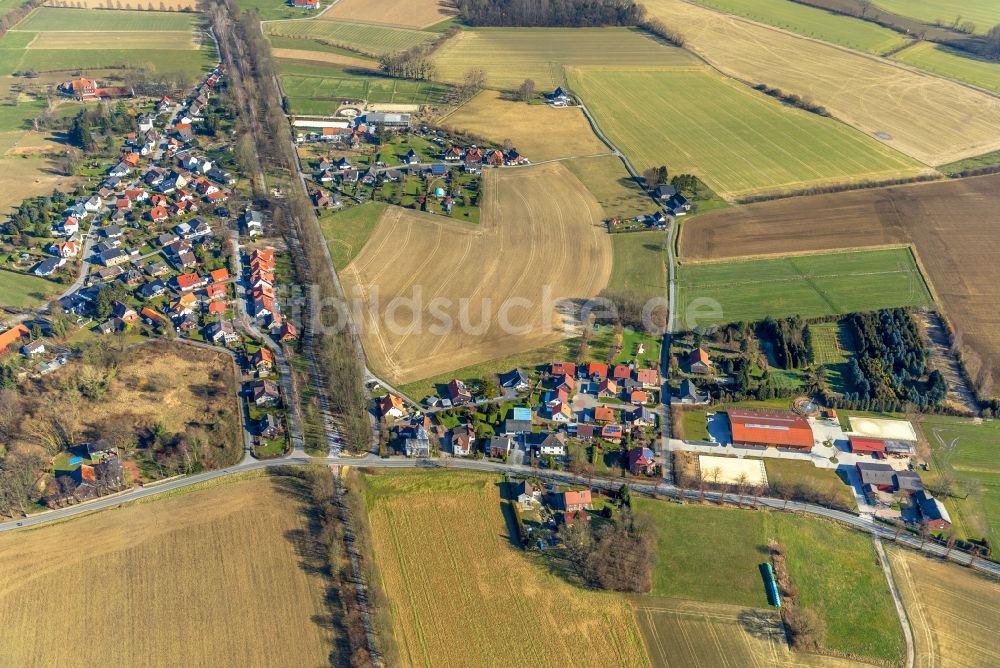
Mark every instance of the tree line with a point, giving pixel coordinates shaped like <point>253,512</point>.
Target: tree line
<point>793,99</point>
<point>538,13</point>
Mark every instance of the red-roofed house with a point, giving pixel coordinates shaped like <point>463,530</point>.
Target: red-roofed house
<point>220,275</point>
<point>13,335</point>
<point>648,377</point>
<point>188,282</point>
<point>597,371</point>
<point>573,501</point>
<point>263,360</point>
<point>392,406</point>
<point>287,332</point>
<point>604,414</point>
<point>699,361</point>
<point>621,372</point>
<point>215,291</point>
<point>158,214</point>
<point>562,369</point>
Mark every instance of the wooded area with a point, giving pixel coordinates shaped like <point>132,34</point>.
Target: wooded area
<point>567,13</point>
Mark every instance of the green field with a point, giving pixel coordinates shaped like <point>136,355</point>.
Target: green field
<point>48,19</point>
<point>354,36</point>
<point>984,13</point>
<point>813,22</point>
<point>321,94</point>
<point>740,142</point>
<point>824,481</point>
<point>807,285</point>
<point>951,63</point>
<point>511,55</point>
<point>606,179</point>
<point>969,453</point>
<point>347,231</point>
<point>978,162</point>
<point>831,345</point>
<point>640,263</point>
<point>712,554</point>
<point>23,291</point>
<point>276,10</point>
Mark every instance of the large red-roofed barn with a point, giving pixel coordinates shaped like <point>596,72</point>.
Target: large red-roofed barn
<point>760,428</point>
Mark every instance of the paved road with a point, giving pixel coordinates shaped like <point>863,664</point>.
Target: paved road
<point>861,523</point>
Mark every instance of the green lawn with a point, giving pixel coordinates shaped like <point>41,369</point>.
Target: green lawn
<point>640,263</point>
<point>824,481</point>
<point>317,90</point>
<point>812,22</point>
<point>712,554</point>
<point>969,453</point>
<point>606,179</point>
<point>807,285</point>
<point>347,231</point>
<point>738,141</point>
<point>832,347</point>
<point>984,13</point>
<point>358,37</point>
<point>952,63</point>
<point>107,20</point>
<point>24,291</point>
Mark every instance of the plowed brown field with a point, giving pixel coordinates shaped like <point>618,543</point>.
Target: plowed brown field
<point>540,241</point>
<point>948,223</point>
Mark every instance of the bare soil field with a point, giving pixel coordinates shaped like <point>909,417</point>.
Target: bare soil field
<point>931,119</point>
<point>212,577</point>
<point>399,13</point>
<point>539,132</point>
<point>540,242</point>
<point>325,57</point>
<point>688,634</point>
<point>954,613</point>
<point>944,221</point>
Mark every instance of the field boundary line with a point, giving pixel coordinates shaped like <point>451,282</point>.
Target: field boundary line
<point>904,621</point>
<point>791,254</point>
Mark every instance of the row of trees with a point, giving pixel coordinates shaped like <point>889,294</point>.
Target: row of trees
<point>567,13</point>
<point>793,99</point>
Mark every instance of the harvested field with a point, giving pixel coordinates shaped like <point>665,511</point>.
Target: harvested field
<point>540,235</point>
<point>952,63</point>
<point>943,220</point>
<point>511,55</point>
<point>616,191</point>
<point>45,19</point>
<point>740,142</point>
<point>399,13</point>
<point>482,576</point>
<point>812,22</point>
<point>954,613</point>
<point>931,119</point>
<point>686,634</point>
<point>180,41</point>
<point>197,576</point>
<point>368,39</point>
<point>806,285</point>
<point>539,132</point>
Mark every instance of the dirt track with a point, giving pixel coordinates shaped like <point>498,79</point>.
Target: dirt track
<point>540,229</point>
<point>952,225</point>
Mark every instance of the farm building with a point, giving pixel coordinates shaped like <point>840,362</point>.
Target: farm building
<point>867,446</point>
<point>12,336</point>
<point>932,511</point>
<point>759,428</point>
